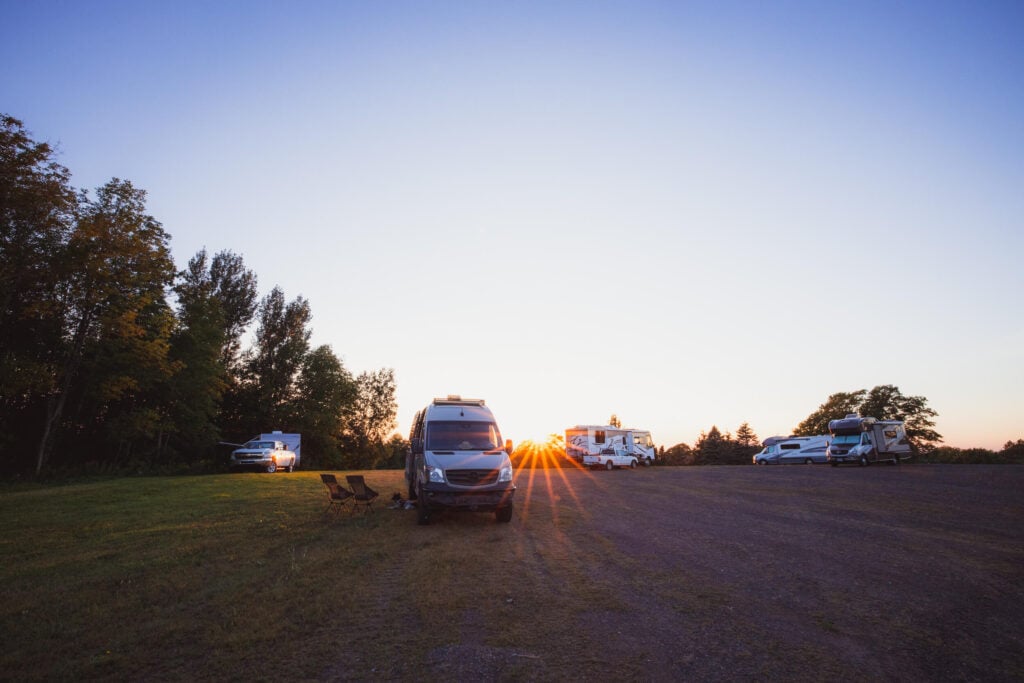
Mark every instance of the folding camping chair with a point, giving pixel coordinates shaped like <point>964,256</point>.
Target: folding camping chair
<point>363,494</point>
<point>337,494</point>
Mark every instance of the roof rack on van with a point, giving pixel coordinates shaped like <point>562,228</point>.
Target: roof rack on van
<point>456,400</point>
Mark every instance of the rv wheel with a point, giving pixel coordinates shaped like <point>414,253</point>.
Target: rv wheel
<point>863,461</point>
<point>608,465</point>
<point>632,464</point>
<point>808,461</point>
<point>647,462</point>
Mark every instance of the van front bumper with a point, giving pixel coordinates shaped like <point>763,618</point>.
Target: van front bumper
<point>438,496</point>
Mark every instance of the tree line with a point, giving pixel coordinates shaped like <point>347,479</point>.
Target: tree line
<point>112,359</point>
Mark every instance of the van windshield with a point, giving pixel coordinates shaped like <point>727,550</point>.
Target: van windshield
<point>847,440</point>
<point>462,436</point>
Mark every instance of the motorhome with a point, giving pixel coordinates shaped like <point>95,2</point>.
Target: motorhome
<point>457,460</point>
<point>608,447</point>
<point>270,452</point>
<point>865,440</point>
<point>789,450</point>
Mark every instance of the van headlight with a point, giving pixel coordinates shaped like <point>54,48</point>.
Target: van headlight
<point>435,474</point>
<point>505,474</point>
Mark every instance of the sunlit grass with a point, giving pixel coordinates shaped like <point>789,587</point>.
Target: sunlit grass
<point>209,576</point>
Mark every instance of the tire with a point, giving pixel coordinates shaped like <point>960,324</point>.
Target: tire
<point>271,468</point>
<point>422,511</point>
<point>632,464</point>
<point>503,514</point>
<point>609,466</point>
<point>834,463</point>
<point>648,462</point>
<point>863,462</point>
<point>808,461</point>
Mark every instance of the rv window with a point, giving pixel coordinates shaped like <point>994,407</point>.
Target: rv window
<point>789,446</point>
<point>599,436</point>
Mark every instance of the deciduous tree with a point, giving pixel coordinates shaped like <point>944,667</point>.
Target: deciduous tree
<point>113,290</point>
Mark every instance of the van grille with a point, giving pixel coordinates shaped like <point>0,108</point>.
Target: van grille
<point>472,477</point>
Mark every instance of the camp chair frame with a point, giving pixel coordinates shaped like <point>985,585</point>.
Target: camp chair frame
<point>337,495</point>
<point>363,495</point>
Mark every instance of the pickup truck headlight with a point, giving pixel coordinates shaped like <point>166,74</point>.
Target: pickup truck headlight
<point>505,474</point>
<point>435,474</point>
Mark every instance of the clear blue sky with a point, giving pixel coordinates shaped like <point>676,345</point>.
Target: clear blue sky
<point>683,213</point>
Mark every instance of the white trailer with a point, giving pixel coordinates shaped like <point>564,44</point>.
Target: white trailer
<point>864,440</point>
<point>609,447</point>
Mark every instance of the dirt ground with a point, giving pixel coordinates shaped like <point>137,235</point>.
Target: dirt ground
<point>907,573</point>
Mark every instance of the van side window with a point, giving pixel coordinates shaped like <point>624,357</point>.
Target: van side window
<point>599,436</point>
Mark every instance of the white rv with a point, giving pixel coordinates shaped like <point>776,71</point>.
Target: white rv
<point>609,447</point>
<point>865,440</point>
<point>787,450</point>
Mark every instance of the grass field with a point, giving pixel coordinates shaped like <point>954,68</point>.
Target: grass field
<point>243,576</point>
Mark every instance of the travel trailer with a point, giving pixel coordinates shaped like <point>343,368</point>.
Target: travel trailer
<point>789,450</point>
<point>604,446</point>
<point>457,460</point>
<point>865,440</point>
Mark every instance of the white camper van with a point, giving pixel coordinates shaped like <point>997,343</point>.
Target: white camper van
<point>457,460</point>
<point>790,450</point>
<point>604,446</point>
<point>865,440</point>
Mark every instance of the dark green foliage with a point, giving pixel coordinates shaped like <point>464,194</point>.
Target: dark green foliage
<point>1012,453</point>
<point>98,373</point>
<point>326,391</point>
<point>715,448</point>
<point>837,406</point>
<point>369,420</point>
<point>680,454</point>
<point>37,213</point>
<point>884,402</point>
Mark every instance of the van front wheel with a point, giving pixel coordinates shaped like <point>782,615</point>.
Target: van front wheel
<point>608,465</point>
<point>503,514</point>
<point>422,510</point>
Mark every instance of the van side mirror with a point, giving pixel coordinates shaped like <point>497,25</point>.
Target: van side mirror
<point>508,446</point>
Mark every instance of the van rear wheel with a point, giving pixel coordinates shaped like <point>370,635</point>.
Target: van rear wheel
<point>808,461</point>
<point>608,465</point>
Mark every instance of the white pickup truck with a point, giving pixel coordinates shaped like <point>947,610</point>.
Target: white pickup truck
<point>268,452</point>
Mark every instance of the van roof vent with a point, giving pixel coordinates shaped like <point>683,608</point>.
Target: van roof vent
<point>455,400</point>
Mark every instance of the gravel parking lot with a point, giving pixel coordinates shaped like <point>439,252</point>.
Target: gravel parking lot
<point>911,572</point>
